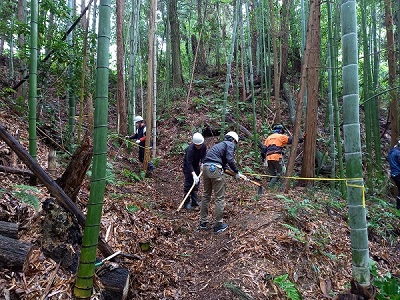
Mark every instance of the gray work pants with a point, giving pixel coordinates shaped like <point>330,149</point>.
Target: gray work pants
<point>213,182</point>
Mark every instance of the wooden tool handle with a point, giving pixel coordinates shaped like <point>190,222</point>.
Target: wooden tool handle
<point>230,172</point>
<point>188,193</point>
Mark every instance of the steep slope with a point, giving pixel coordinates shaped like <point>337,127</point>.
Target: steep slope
<point>303,234</point>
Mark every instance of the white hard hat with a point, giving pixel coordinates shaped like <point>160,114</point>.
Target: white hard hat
<point>233,135</point>
<point>198,138</point>
<point>138,119</point>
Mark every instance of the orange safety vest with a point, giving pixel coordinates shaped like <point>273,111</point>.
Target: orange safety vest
<point>275,143</point>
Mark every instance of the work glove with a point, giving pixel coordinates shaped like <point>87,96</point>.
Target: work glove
<point>195,178</point>
<point>127,137</point>
<point>137,141</point>
<point>240,175</point>
<point>265,163</point>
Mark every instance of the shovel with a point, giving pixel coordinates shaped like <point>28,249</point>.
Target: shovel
<point>259,191</point>
<point>188,193</point>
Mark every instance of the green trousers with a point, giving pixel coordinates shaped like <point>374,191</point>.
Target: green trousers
<point>213,182</point>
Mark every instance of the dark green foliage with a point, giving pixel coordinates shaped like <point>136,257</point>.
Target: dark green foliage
<point>134,176</point>
<point>288,287</point>
<point>132,208</point>
<point>388,286</point>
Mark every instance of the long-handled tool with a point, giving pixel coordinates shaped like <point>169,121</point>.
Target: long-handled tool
<point>188,193</point>
<point>259,191</point>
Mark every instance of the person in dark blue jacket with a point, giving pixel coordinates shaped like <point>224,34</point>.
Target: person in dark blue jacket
<point>394,161</point>
<point>193,158</point>
<point>218,158</point>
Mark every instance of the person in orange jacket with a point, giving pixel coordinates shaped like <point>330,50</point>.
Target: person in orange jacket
<point>272,152</point>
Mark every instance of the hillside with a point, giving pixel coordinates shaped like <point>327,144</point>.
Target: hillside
<point>303,234</point>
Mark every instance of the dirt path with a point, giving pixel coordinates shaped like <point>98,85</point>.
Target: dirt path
<point>204,262</point>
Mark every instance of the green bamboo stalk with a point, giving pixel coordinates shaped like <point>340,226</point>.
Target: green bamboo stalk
<point>352,142</point>
<point>86,268</point>
<point>336,110</point>
<point>253,99</point>
<point>367,80</point>
<point>374,101</point>
<point>32,101</point>
<point>228,71</point>
<point>330,93</point>
<point>82,91</point>
<point>71,100</point>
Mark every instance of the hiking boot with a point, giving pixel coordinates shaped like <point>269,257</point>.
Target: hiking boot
<point>203,225</point>
<point>220,227</point>
<point>150,167</point>
<point>187,205</point>
<point>194,199</point>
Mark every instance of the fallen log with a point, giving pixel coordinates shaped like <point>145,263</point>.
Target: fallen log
<point>50,184</point>
<point>9,229</point>
<point>13,253</point>
<point>17,171</point>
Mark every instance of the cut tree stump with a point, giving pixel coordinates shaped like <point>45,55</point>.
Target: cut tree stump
<point>9,229</point>
<point>75,173</point>
<point>114,282</point>
<point>13,253</point>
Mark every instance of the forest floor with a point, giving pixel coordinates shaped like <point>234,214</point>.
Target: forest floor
<point>303,233</point>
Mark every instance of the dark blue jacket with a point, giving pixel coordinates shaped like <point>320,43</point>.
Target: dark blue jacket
<point>140,134</point>
<point>193,157</point>
<point>223,154</point>
<point>394,161</point>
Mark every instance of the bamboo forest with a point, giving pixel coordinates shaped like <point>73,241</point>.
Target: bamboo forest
<point>199,149</point>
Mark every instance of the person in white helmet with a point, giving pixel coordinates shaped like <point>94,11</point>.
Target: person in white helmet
<point>140,137</point>
<point>194,156</point>
<point>272,152</point>
<point>218,158</point>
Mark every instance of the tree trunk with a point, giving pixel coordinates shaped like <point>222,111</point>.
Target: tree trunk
<point>177,77</point>
<point>121,106</point>
<point>150,82</point>
<point>313,43</point>
<point>394,110</point>
<point>284,33</point>
<point>274,35</point>
<point>201,60</point>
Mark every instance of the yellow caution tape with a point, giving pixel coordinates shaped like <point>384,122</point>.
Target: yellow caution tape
<point>362,187</point>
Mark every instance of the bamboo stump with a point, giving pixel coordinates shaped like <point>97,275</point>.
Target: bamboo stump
<point>115,283</point>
